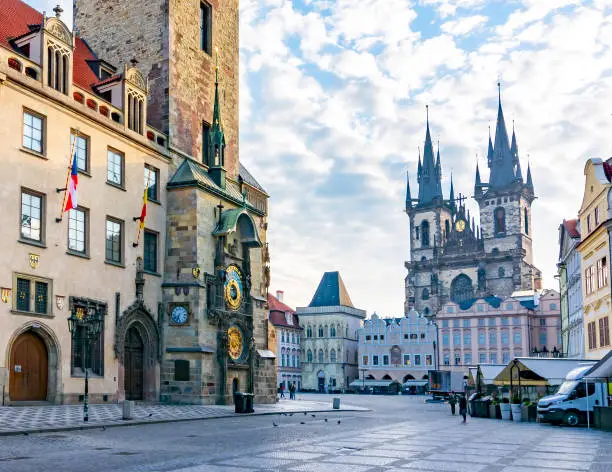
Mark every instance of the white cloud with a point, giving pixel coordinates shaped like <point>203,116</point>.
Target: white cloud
<point>464,25</point>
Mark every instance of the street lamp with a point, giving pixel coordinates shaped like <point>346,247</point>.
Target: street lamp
<point>91,322</point>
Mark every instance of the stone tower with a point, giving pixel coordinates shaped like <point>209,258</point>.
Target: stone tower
<point>176,44</point>
<point>505,208</point>
<point>431,218</point>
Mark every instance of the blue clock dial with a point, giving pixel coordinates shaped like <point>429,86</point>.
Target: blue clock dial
<point>179,315</point>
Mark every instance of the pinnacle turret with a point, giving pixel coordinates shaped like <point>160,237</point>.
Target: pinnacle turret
<point>430,185</point>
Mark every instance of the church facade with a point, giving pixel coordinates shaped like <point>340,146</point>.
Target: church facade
<point>455,259</point>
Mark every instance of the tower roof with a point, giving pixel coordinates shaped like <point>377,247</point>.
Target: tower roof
<point>429,178</point>
<point>331,292</point>
<point>502,164</point>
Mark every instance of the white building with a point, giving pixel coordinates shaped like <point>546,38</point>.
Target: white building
<point>288,335</point>
<point>330,346</point>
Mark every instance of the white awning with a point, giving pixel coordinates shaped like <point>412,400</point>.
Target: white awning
<point>415,383</point>
<point>538,370</point>
<point>371,383</point>
<point>603,368</point>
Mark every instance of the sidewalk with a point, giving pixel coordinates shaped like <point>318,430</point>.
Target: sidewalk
<point>38,419</point>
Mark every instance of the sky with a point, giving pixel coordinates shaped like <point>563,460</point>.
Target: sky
<point>332,113</point>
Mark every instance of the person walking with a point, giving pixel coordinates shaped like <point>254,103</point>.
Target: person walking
<point>452,400</point>
<point>290,391</point>
<point>293,389</point>
<point>463,407</point>
<point>282,390</point>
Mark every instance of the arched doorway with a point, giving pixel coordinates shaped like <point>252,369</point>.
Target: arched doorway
<point>235,385</point>
<point>29,368</point>
<point>133,365</point>
<point>321,380</point>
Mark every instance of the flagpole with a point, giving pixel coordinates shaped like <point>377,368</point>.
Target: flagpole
<point>138,217</point>
<point>65,189</point>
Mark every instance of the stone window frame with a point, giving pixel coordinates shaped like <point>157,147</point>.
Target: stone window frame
<point>206,16</point>
<point>33,280</point>
<point>86,223</point>
<point>102,307</point>
<point>43,217</point>
<point>121,262</point>
<point>87,158</point>
<point>43,132</point>
<point>121,184</point>
<point>155,234</point>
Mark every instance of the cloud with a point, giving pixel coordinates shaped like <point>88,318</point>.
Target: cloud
<point>464,26</point>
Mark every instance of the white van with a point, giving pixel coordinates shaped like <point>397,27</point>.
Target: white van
<point>573,400</point>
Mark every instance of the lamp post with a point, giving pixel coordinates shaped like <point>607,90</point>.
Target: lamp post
<point>91,322</point>
<point>363,371</point>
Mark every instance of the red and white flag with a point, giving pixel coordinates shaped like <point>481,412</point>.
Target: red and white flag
<point>71,201</point>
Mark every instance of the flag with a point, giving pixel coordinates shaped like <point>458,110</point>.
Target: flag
<point>143,212</point>
<point>71,201</point>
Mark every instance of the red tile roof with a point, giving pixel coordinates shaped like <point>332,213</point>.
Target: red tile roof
<point>277,313</point>
<point>572,228</point>
<point>15,18</point>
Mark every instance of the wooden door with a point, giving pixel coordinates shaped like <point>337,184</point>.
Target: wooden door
<point>134,350</point>
<point>29,369</point>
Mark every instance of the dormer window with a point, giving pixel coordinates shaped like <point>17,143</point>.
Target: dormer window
<point>135,96</point>
<point>135,112</point>
<point>57,56</point>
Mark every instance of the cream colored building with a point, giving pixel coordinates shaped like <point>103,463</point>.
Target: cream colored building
<point>594,248</point>
<point>49,269</point>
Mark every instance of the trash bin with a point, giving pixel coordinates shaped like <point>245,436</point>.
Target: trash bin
<point>240,402</point>
<point>480,408</point>
<point>248,402</point>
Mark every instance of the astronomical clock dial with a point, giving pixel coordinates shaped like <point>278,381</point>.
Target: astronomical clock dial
<point>179,315</point>
<point>460,225</point>
<point>233,287</point>
<point>235,343</point>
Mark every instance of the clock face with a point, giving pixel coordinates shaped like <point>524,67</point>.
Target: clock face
<point>460,225</point>
<point>233,287</point>
<point>179,315</point>
<point>235,345</point>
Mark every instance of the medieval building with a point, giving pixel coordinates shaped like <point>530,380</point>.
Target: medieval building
<point>453,258</point>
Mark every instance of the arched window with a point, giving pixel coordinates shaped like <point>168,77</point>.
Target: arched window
<point>408,377</point>
<point>332,331</point>
<point>387,377</point>
<point>309,331</point>
<point>461,289</point>
<point>425,295</point>
<point>526,216</point>
<point>282,336</point>
<point>293,364</point>
<point>425,234</point>
<point>501,272</point>
<point>447,227</point>
<point>500,220</point>
<point>309,355</point>
<point>321,358</point>
<point>282,360</point>
<point>320,331</point>
<point>332,355</point>
<point>426,311</point>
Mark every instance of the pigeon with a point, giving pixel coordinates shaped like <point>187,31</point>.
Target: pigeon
<point>26,434</point>
<point>290,414</point>
<point>326,420</point>
<point>305,413</point>
<point>275,425</point>
<point>150,414</point>
<point>314,416</point>
<point>338,421</point>
<point>301,422</point>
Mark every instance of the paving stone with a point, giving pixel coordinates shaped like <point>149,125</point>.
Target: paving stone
<point>515,468</point>
<point>462,458</point>
<point>445,466</point>
<point>559,464</point>
<point>259,462</point>
<point>386,453</point>
<point>290,455</point>
<point>362,460</point>
<point>331,468</point>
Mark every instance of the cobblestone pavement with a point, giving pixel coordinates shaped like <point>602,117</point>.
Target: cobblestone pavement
<point>400,433</point>
<point>55,417</point>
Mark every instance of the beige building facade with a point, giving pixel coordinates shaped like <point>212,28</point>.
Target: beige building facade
<point>594,248</point>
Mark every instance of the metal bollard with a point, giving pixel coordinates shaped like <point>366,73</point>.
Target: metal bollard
<point>128,410</point>
<point>336,404</point>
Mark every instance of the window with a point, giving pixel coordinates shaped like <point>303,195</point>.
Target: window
<point>491,321</point>
<point>114,241</point>
<point>481,338</point>
<point>417,359</point>
<point>542,321</point>
<point>332,355</point>
<point>320,331</point>
<point>385,360</point>
<point>589,223</point>
<point>455,323</point>
<point>407,359</point>
<point>416,233</point>
<point>32,216</point>
<point>445,339</point>
<point>77,231</point>
<point>81,150</point>
<point>468,358</point>
<point>482,358</point>
<point>467,339</point>
<point>480,307</point>
<point>543,338</point>
<point>425,234</point>
<point>376,337</point>
<point>32,294</point>
<point>553,306</point>
<point>456,339</point>
<point>332,332</point>
<point>493,358</point>
<point>581,390</point>
<point>588,280</point>
<point>33,132</point>
<point>457,358</point>
<point>151,182</point>
<point>368,337</point>
<point>516,321</point>
<point>309,356</point>
<point>517,337</point>
<point>481,321</point>
<point>181,370</point>
<point>466,323</point>
<point>500,221</point>
<point>414,336</point>
<point>602,272</point>
<point>94,358</point>
<point>321,358</point>
<point>505,357</point>
<point>445,323</point>
<point>505,337</point>
<point>449,309</point>
<point>604,332</point>
<point>505,321</point>
<point>446,359</point>
<point>57,70</point>
<point>206,27</point>
<point>375,360</point>
<point>596,216</point>
<point>425,294</point>
<point>114,173</point>
<point>592,335</point>
<point>150,251</point>
<point>428,359</point>
<point>492,338</point>
<point>364,360</point>
<point>206,144</point>
<point>282,336</point>
<point>135,111</point>
<point>526,217</point>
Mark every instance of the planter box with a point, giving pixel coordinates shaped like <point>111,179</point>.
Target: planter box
<point>505,411</point>
<point>532,413</point>
<point>516,411</point>
<point>602,417</point>
<point>524,413</point>
<point>493,411</point>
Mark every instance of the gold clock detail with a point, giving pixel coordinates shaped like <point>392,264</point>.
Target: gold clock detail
<point>235,344</point>
<point>460,225</point>
<point>233,287</point>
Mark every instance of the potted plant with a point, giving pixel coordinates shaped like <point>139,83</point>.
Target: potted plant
<point>515,407</point>
<point>525,409</point>
<point>493,407</point>
<point>505,409</point>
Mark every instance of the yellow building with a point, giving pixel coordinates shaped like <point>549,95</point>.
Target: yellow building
<point>594,248</point>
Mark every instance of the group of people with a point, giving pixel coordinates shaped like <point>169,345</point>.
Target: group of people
<point>453,399</point>
<point>292,390</point>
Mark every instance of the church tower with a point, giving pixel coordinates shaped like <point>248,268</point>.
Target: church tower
<point>431,218</point>
<point>505,213</point>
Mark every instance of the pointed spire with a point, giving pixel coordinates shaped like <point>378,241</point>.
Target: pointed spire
<point>502,164</point>
<point>408,196</point>
<point>420,168</point>
<point>513,146</point>
<point>477,183</point>
<point>529,183</point>
<point>451,198</point>
<point>217,137</point>
<point>490,150</point>
<point>430,186</point>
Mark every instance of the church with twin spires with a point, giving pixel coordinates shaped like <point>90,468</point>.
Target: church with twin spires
<point>453,257</point>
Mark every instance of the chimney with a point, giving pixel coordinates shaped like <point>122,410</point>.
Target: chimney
<point>279,295</point>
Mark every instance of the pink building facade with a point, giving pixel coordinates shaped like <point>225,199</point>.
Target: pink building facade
<point>493,330</point>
